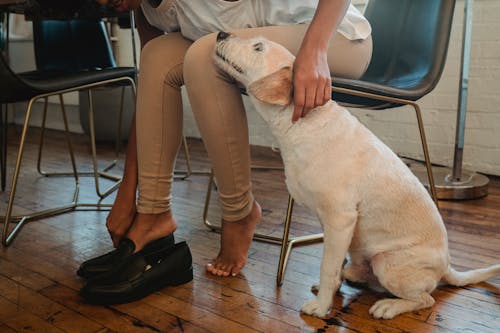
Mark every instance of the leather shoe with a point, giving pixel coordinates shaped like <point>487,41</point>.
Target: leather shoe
<point>141,275</point>
<point>107,262</point>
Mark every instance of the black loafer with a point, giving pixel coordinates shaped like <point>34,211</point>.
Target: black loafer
<point>106,262</point>
<point>141,275</point>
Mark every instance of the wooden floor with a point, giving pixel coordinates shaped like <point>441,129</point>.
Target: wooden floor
<point>39,288</point>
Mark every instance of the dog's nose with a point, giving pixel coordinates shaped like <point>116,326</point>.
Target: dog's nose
<point>222,35</point>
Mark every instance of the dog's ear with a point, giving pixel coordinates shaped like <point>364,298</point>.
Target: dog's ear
<point>276,88</point>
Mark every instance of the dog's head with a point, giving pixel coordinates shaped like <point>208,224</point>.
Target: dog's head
<point>262,66</point>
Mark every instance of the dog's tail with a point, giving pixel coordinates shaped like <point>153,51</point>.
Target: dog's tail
<point>469,277</point>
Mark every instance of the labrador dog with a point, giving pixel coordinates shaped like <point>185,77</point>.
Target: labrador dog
<point>370,205</point>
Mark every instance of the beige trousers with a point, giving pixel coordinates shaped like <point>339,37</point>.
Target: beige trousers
<point>168,62</point>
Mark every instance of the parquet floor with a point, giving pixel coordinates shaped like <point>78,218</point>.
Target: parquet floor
<point>39,288</point>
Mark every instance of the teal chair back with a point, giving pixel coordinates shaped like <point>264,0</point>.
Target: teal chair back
<point>410,42</point>
<point>72,45</point>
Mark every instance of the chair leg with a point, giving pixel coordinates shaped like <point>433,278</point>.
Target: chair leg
<point>286,245</point>
<point>3,145</point>
<point>68,137</point>
<point>183,174</point>
<point>96,171</point>
<point>423,139</point>
<point>286,242</point>
<point>42,139</point>
<point>100,173</point>
<point>425,149</point>
<point>8,237</point>
<point>119,125</point>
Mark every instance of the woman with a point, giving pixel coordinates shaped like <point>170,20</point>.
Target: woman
<point>327,37</point>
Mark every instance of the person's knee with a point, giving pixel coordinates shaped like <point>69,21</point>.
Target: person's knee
<point>151,52</point>
<point>164,51</point>
<point>199,55</point>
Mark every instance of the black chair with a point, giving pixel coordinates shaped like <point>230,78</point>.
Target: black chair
<point>49,81</point>
<point>410,44</point>
<point>66,46</point>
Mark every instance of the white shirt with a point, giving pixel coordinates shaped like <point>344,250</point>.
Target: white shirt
<point>196,18</point>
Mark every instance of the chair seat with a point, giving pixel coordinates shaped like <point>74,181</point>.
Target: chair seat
<point>49,81</point>
<point>401,89</point>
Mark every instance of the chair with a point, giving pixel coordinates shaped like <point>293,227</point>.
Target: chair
<point>67,46</point>
<point>82,37</point>
<point>410,43</point>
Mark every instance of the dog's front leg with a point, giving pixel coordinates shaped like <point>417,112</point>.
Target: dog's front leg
<point>338,230</point>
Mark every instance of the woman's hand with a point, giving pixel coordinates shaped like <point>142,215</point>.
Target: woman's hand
<point>311,81</point>
<point>121,5</point>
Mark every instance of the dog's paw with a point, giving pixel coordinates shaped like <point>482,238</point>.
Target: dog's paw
<point>315,308</point>
<point>385,308</point>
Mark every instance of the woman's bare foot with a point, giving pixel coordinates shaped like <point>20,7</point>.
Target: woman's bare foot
<point>236,238</point>
<point>149,227</point>
<point>122,213</point>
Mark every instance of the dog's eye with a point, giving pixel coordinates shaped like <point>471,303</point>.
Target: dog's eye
<point>258,46</point>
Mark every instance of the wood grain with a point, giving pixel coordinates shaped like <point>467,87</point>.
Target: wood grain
<point>39,287</point>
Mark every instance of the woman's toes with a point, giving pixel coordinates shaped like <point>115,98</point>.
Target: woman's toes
<point>209,267</point>
<point>236,269</point>
<point>218,269</point>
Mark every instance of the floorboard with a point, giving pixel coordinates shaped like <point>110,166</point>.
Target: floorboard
<point>39,288</point>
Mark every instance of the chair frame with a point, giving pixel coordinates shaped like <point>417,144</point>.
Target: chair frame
<point>421,129</point>
<point>184,174</point>
<point>96,173</point>
<point>21,220</point>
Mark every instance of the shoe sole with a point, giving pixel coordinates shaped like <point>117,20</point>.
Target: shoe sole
<point>144,290</point>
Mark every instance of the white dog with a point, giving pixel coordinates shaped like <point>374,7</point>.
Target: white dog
<point>369,203</point>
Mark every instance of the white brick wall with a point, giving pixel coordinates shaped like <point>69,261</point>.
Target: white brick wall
<point>482,136</point>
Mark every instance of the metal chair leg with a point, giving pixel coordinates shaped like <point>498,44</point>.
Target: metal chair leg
<point>41,145</point>
<point>68,138</point>
<point>8,237</point>
<point>425,149</point>
<point>98,174</point>
<point>178,174</point>
<point>423,139</point>
<point>286,242</point>
<point>183,174</point>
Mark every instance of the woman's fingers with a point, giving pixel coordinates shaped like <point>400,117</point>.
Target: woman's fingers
<point>309,97</point>
<point>328,92</point>
<point>299,101</point>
